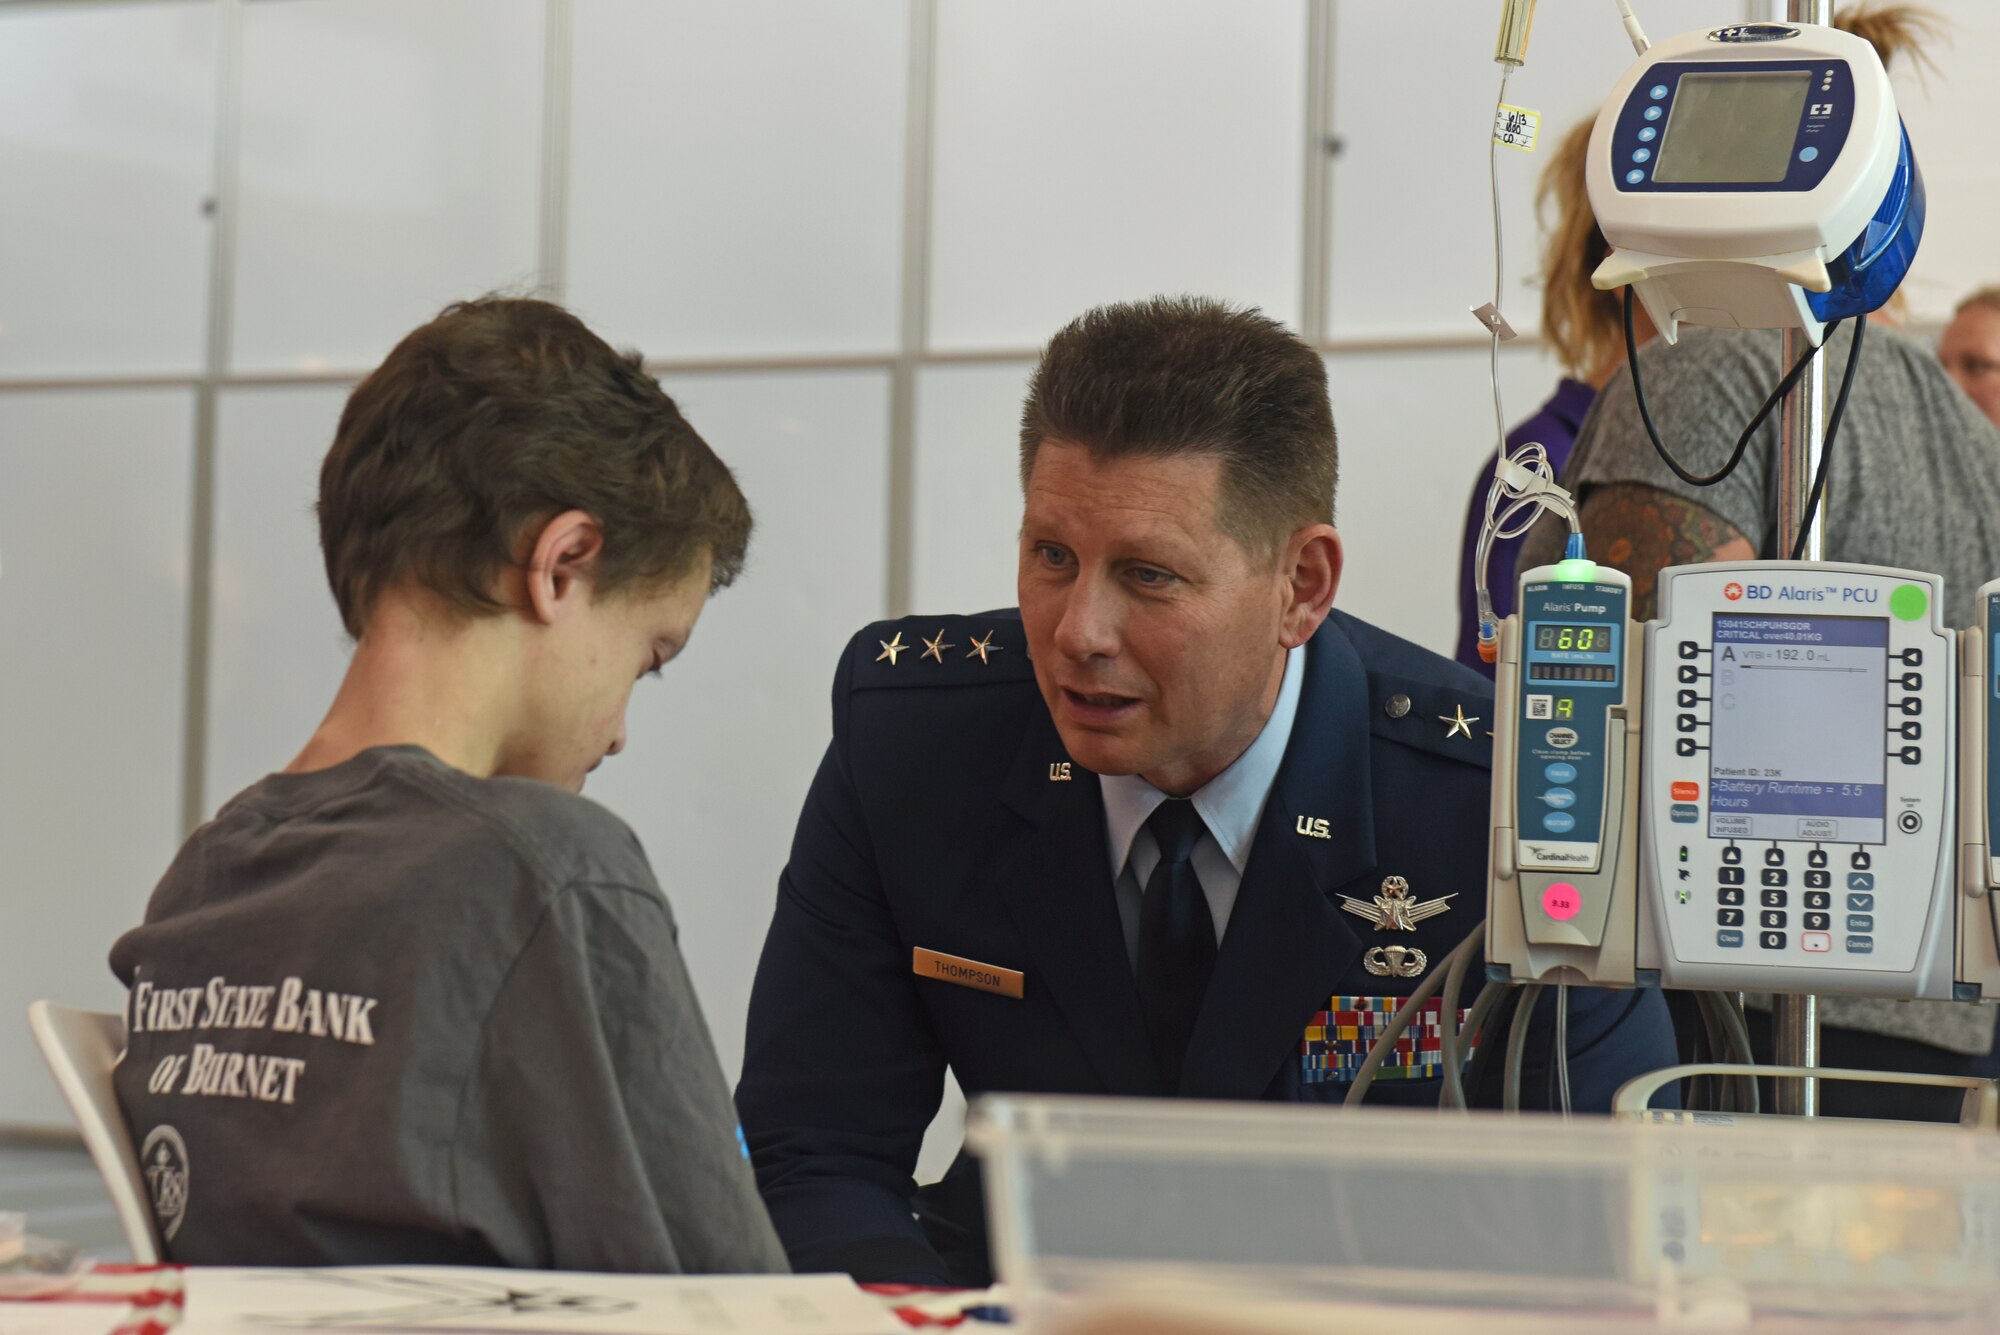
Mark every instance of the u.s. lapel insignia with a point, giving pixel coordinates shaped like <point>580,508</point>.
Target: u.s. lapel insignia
<point>1059,772</point>
<point>1313,827</point>
<point>1395,961</point>
<point>935,648</point>
<point>1396,909</point>
<point>1457,723</point>
<point>890,648</point>
<point>982,647</point>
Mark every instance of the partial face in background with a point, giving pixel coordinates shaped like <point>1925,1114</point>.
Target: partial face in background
<point>1158,640</point>
<point>1970,351</point>
<point>588,659</point>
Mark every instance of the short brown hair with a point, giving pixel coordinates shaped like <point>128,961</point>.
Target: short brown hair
<point>1189,375</point>
<point>488,422</point>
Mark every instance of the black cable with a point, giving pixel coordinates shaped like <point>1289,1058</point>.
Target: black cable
<point>1832,430</point>
<point>1749,432</point>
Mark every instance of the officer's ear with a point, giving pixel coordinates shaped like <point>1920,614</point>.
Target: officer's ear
<point>561,563</point>
<point>1310,565</point>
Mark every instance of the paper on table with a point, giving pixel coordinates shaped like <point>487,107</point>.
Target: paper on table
<point>225,1300</point>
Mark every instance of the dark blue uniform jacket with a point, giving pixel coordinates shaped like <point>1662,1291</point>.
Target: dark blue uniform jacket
<point>940,820</point>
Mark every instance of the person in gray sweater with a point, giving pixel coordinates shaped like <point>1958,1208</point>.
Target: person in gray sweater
<point>1914,483</point>
<point>415,1000</point>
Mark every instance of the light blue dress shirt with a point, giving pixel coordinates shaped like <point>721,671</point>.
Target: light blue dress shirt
<point>1231,804</point>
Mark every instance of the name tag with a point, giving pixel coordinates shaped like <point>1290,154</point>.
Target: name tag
<point>966,973</point>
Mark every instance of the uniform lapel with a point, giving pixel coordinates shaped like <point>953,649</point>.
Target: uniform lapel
<point>1055,878</point>
<point>1286,942</point>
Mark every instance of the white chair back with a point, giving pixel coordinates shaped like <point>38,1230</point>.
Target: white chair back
<point>82,1048</point>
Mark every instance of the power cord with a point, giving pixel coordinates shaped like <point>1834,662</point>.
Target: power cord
<point>1832,431</point>
<point>1785,387</point>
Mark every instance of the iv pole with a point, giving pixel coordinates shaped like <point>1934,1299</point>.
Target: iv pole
<point>1802,439</point>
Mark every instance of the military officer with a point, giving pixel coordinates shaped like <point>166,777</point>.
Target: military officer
<point>1175,827</point>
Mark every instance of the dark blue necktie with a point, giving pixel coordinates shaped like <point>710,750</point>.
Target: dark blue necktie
<point>1176,938</point>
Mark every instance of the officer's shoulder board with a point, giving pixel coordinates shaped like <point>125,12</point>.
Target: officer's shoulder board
<point>1443,720</point>
<point>982,650</point>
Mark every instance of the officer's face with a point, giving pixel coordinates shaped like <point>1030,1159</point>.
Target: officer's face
<point>1158,640</point>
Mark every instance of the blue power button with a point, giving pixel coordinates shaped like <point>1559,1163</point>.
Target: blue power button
<point>1808,154</point>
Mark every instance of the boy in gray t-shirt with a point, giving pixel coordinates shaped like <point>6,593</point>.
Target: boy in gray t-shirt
<point>415,1000</point>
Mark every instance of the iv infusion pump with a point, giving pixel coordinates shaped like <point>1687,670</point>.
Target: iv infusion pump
<point>1759,791</point>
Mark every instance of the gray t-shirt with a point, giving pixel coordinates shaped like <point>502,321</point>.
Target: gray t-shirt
<point>391,1013</point>
<point>1914,483</point>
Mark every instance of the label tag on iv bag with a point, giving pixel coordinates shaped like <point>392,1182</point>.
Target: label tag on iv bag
<point>1516,127</point>
<point>1493,322</point>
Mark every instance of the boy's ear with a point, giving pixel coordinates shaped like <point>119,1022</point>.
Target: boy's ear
<point>561,564</point>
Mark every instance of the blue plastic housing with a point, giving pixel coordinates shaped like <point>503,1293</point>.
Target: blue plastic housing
<point>1868,272</point>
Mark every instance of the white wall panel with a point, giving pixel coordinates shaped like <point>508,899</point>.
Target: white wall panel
<point>722,748</point>
<point>1949,114</point>
<point>106,139</point>
<point>1414,85</point>
<point>391,163</point>
<point>93,542</point>
<point>1096,152</point>
<point>1415,429</point>
<point>736,174</point>
<point>968,487</point>
<point>278,651</point>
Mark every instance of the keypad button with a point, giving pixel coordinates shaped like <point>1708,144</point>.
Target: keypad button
<point>1729,875</point>
<point>1687,699</point>
<point>1818,899</point>
<point>1818,880</point>
<point>1773,876</point>
<point>1729,894</point>
<point>1861,903</point>
<point>1684,746</point>
<point>1729,917</point>
<point>1774,857</point>
<point>1860,880</point>
<point>1816,858</point>
<point>1732,855</point>
<point>1728,940</point>
<point>1818,922</point>
<point>1772,899</point>
<point>1860,922</point>
<point>1912,731</point>
<point>1860,945</point>
<point>1912,657</point>
<point>1685,722</point>
<point>1911,755</point>
<point>1909,822</point>
<point>1913,681</point>
<point>1913,705</point>
<point>1771,940</point>
<point>1771,918</point>
<point>1816,942</point>
<point>1688,649</point>
<point>1860,861</point>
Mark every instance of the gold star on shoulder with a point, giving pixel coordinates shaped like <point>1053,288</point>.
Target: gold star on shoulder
<point>890,648</point>
<point>1459,723</point>
<point>935,648</point>
<point>984,646</point>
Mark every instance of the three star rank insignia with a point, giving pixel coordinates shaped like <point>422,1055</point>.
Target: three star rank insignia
<point>890,648</point>
<point>981,647</point>
<point>934,648</point>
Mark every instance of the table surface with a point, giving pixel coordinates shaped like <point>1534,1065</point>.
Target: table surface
<point>148,1299</point>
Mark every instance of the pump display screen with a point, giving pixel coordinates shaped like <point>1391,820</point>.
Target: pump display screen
<point>1731,129</point>
<point>1797,748</point>
<point>1588,639</point>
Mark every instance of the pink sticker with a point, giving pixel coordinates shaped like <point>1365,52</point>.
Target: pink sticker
<point>1561,901</point>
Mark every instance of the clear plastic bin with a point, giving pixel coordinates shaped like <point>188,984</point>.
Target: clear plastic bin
<point>1168,1216</point>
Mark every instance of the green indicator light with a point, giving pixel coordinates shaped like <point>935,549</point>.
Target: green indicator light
<point>1575,571</point>
<point>1909,602</point>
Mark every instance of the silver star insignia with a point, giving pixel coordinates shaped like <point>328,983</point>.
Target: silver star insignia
<point>1396,909</point>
